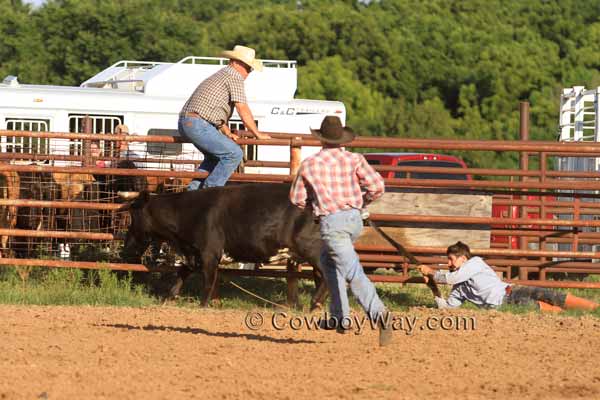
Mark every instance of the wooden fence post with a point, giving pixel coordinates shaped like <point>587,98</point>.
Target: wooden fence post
<point>524,164</point>
<point>292,281</point>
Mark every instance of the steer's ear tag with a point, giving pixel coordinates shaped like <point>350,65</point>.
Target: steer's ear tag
<point>188,123</point>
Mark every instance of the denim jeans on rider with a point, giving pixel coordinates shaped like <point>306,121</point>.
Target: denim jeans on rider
<point>341,264</point>
<point>221,154</point>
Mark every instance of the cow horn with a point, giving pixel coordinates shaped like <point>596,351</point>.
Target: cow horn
<point>128,195</point>
<point>124,207</point>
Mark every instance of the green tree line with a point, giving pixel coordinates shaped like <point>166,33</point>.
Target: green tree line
<point>404,68</point>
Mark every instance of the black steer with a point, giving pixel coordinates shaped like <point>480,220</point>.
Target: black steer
<point>249,223</point>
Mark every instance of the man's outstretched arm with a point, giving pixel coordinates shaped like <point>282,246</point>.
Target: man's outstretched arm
<point>298,192</point>
<point>248,119</point>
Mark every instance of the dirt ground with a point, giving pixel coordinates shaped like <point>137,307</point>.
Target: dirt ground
<point>168,352</point>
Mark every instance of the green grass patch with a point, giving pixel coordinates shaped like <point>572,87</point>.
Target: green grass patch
<point>56,286</point>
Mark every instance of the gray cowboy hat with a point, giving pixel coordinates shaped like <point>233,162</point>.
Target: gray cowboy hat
<point>332,131</point>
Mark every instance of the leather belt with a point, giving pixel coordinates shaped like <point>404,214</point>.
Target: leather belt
<point>191,115</point>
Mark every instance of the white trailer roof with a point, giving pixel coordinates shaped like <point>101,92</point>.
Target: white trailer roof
<point>278,80</point>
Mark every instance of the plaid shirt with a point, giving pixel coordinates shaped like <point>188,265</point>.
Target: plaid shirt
<point>331,181</point>
<point>214,97</point>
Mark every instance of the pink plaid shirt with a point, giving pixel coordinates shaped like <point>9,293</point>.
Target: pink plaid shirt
<point>331,181</point>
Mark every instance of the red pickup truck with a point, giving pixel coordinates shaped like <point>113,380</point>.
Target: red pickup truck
<point>418,160</point>
<point>448,161</point>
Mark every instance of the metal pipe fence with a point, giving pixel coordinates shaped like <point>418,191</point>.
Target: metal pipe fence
<point>545,208</point>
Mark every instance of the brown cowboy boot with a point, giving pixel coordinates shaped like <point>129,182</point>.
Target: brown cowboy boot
<point>578,303</point>
<point>546,307</point>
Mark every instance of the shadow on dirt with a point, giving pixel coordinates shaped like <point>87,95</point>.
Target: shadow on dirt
<point>200,331</point>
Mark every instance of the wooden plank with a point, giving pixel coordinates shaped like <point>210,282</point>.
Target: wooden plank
<point>428,203</point>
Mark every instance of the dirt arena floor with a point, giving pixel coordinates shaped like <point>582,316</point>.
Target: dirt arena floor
<point>168,352</point>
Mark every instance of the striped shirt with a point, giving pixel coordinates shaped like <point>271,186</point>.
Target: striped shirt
<point>331,181</point>
<point>214,97</point>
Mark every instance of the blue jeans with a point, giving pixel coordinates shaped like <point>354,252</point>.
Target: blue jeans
<point>221,154</point>
<point>341,264</point>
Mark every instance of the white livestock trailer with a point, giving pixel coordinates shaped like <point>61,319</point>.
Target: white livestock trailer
<point>579,121</point>
<point>147,97</point>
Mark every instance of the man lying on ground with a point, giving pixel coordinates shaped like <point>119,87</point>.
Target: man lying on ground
<point>474,281</point>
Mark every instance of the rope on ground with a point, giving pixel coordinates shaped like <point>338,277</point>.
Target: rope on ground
<point>258,297</point>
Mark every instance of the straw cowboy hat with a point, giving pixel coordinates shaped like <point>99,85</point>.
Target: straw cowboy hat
<point>245,55</point>
<point>332,131</point>
<point>122,129</point>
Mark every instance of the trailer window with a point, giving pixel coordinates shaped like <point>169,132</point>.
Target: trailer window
<point>250,150</point>
<point>429,175</point>
<point>11,144</point>
<point>164,149</point>
<point>99,124</point>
